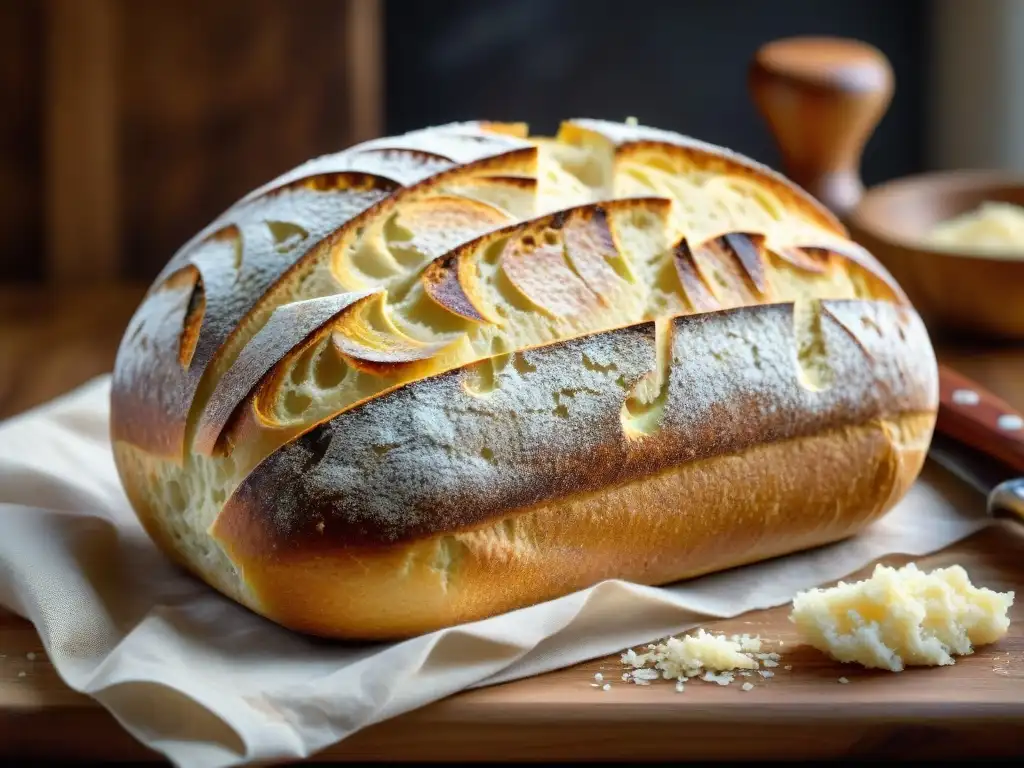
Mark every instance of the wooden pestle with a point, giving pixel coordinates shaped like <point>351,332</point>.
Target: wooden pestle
<point>822,98</point>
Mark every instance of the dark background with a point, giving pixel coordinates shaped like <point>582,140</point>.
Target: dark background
<point>679,65</point>
<point>202,101</point>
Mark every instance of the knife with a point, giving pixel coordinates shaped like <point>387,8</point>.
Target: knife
<point>979,438</point>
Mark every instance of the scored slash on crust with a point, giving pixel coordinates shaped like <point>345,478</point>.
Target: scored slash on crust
<point>555,284</point>
<point>684,152</point>
<point>301,319</point>
<point>364,334</point>
<point>233,266</point>
<point>554,262</point>
<point>680,387</point>
<point>239,262</point>
<point>559,248</point>
<point>563,263</point>
<point>397,296</point>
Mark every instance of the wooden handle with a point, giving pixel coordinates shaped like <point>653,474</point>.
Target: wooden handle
<point>822,99</point>
<point>976,417</point>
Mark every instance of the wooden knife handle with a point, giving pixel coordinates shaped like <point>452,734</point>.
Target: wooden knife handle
<point>822,98</point>
<point>976,417</point>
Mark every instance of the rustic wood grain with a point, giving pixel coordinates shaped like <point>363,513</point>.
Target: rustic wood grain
<point>220,97</point>
<point>160,114</point>
<point>364,67</point>
<point>21,186</point>
<point>973,709</point>
<point>82,211</point>
<point>52,340</point>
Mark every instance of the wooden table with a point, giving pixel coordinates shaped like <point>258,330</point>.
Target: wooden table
<point>975,708</point>
<point>53,340</point>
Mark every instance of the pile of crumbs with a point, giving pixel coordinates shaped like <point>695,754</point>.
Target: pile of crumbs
<point>704,656</point>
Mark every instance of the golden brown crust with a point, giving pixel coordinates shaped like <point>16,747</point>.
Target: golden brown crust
<point>287,328</point>
<point>638,141</point>
<point>146,393</point>
<point>429,458</point>
<point>450,279</point>
<point>323,255</point>
<point>711,162</point>
<point>886,285</point>
<point>250,251</point>
<point>454,372</point>
<point>695,518</point>
<point>230,268</point>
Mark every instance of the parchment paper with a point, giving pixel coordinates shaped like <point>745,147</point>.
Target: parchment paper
<point>207,683</point>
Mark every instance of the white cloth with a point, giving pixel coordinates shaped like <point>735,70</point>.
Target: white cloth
<point>207,683</point>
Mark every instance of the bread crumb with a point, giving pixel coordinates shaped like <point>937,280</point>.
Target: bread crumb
<point>680,687</point>
<point>765,673</point>
<point>881,622</point>
<point>788,667</point>
<point>722,678</point>
<point>713,658</point>
<point>21,674</point>
<point>599,677</point>
<point>747,687</point>
<point>606,687</point>
<point>691,655</point>
<point>843,680</point>
<point>645,674</point>
<point>30,656</point>
<point>750,644</point>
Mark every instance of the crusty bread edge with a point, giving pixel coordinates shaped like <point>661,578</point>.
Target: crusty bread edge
<point>698,518</point>
<point>770,495</point>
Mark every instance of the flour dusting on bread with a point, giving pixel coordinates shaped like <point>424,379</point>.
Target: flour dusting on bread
<point>426,372</point>
<point>426,459</point>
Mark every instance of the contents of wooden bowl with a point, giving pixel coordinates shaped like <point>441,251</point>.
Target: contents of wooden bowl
<point>997,228</point>
<point>902,617</point>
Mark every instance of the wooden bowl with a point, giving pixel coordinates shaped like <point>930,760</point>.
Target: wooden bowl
<point>960,291</point>
<point>821,99</point>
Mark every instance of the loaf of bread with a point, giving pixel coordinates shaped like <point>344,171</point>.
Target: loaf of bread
<point>456,372</point>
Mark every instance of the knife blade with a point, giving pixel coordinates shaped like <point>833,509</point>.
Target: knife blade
<point>997,481</point>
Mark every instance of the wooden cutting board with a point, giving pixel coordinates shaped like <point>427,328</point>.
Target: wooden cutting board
<point>972,709</point>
